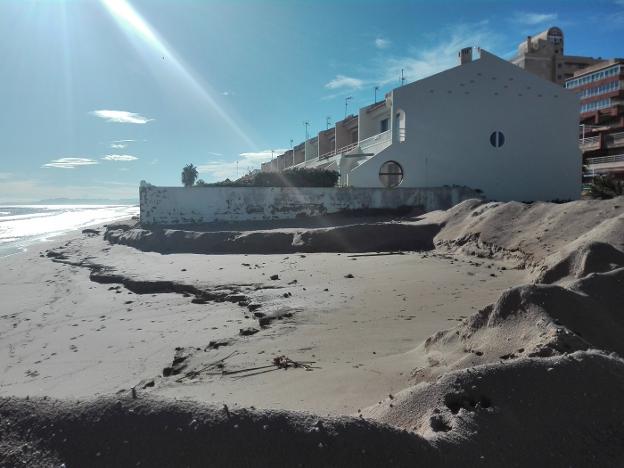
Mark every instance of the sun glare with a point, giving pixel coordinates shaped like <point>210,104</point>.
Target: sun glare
<point>134,25</point>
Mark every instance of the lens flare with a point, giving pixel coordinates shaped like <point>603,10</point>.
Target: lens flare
<point>134,25</point>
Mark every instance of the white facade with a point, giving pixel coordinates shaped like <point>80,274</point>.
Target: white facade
<point>486,124</point>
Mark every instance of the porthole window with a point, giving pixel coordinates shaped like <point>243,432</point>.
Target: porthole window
<point>497,139</point>
<point>391,174</point>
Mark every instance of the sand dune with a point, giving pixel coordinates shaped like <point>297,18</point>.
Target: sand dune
<point>406,343</point>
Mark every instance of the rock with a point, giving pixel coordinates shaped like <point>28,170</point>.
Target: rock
<point>349,275</point>
<point>248,331</point>
<point>274,277</point>
<point>216,344</point>
<point>253,306</point>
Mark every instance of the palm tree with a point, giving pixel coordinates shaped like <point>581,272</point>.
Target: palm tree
<point>189,174</point>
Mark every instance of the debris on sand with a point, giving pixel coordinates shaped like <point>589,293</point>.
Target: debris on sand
<point>247,331</point>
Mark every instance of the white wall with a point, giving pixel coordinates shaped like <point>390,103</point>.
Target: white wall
<point>449,119</point>
<point>370,118</point>
<point>181,205</point>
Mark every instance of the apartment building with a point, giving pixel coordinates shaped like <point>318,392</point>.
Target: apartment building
<point>486,124</point>
<point>543,55</point>
<point>600,89</point>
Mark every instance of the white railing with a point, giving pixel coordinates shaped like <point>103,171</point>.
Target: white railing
<point>617,138</point>
<point>375,140</point>
<point>589,141</point>
<point>605,159</point>
<point>614,139</point>
<point>342,150</point>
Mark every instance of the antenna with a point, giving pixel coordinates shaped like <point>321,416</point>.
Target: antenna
<point>402,78</point>
<point>291,143</point>
<point>327,122</point>
<point>347,99</point>
<point>376,89</point>
<point>307,124</point>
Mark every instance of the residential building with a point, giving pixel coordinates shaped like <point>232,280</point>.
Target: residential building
<point>486,124</point>
<point>601,92</point>
<point>543,55</point>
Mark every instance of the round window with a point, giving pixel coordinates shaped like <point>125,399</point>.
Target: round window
<point>497,139</point>
<point>391,174</point>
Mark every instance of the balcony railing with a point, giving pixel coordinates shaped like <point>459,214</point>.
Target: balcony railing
<point>344,149</point>
<point>366,144</point>
<point>614,158</point>
<point>589,141</point>
<point>611,140</point>
<point>375,140</point>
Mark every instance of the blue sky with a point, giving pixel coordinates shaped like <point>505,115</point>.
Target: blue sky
<point>98,95</point>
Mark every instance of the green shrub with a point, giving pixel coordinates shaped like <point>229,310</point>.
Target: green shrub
<point>605,187</point>
<point>288,178</point>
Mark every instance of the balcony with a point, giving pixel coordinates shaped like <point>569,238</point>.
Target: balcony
<point>589,143</point>
<point>612,140</point>
<point>373,144</point>
<point>605,164</point>
<point>376,143</point>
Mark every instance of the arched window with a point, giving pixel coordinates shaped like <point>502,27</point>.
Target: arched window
<point>400,125</point>
<point>391,174</point>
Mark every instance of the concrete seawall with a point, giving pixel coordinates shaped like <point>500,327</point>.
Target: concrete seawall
<point>193,205</point>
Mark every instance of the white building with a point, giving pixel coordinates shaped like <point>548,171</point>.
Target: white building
<point>486,124</point>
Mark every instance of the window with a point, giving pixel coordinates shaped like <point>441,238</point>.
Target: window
<point>391,174</point>
<point>601,75</point>
<point>596,105</point>
<point>497,139</point>
<point>384,125</point>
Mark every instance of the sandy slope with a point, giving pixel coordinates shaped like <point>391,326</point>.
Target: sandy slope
<point>512,383</point>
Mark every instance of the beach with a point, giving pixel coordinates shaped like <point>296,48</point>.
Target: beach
<point>443,350</point>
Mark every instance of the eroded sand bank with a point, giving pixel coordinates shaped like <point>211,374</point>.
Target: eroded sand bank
<point>475,349</point>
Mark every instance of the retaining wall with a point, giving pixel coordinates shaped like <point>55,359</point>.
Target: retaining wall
<point>181,205</point>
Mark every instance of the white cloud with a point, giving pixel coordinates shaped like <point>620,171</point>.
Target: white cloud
<point>261,156</point>
<point>220,170</point>
<point>533,19</point>
<point>382,43</point>
<point>118,145</point>
<point>215,154</point>
<point>342,81</point>
<point>5,175</point>
<point>119,157</point>
<point>70,163</point>
<point>228,93</point>
<point>440,55</point>
<point>121,116</point>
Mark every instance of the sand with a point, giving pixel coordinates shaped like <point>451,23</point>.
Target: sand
<point>475,339</point>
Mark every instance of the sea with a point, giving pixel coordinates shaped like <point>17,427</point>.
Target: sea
<point>23,226</point>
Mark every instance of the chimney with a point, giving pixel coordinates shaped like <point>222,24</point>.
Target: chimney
<point>465,55</point>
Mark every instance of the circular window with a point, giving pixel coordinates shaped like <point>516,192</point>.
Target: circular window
<point>497,139</point>
<point>391,174</point>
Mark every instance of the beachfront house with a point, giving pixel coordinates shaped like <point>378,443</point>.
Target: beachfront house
<point>486,124</point>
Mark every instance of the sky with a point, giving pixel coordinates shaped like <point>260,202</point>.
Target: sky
<point>97,95</point>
